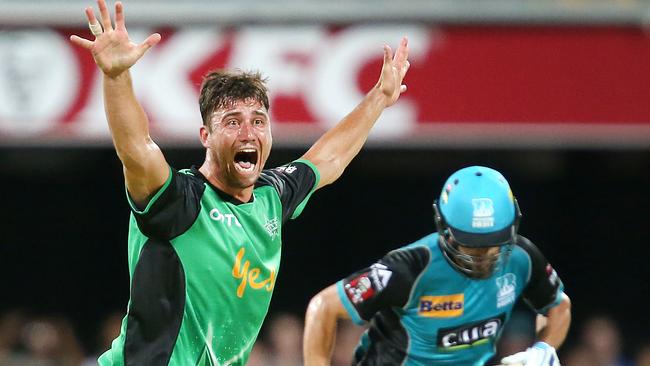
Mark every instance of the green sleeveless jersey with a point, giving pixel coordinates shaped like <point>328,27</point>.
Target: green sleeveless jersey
<point>203,267</point>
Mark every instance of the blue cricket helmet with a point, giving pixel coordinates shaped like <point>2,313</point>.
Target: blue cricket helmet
<point>477,206</point>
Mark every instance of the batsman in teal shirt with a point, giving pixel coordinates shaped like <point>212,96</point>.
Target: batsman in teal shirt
<point>445,299</point>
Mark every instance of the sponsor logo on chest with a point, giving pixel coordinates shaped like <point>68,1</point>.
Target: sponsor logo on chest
<point>225,219</point>
<point>252,277</point>
<point>271,226</point>
<point>506,293</point>
<point>469,335</point>
<point>447,306</point>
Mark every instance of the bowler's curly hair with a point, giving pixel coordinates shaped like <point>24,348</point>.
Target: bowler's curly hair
<point>222,88</point>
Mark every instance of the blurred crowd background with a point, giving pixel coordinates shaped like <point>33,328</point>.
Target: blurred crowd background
<point>51,341</point>
<point>553,93</point>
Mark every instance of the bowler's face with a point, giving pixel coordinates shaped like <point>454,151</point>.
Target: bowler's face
<point>239,142</point>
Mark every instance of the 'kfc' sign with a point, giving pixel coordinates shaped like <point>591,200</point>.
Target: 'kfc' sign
<point>464,81</point>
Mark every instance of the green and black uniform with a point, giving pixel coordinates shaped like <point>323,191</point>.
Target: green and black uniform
<point>203,266</point>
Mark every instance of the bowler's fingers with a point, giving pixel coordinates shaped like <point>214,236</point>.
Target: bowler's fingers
<point>90,14</point>
<point>402,53</point>
<point>81,42</point>
<point>388,55</point>
<point>151,41</point>
<point>93,24</point>
<point>404,69</point>
<point>104,15</point>
<point>119,16</point>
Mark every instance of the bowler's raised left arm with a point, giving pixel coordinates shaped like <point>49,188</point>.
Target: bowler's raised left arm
<point>337,147</point>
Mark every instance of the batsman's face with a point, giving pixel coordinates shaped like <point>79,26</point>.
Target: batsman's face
<point>479,252</point>
<point>480,260</point>
<point>239,141</point>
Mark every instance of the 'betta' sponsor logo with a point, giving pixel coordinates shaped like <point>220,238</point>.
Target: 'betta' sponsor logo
<point>469,335</point>
<point>447,306</point>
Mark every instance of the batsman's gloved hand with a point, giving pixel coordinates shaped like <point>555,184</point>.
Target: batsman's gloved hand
<point>540,354</point>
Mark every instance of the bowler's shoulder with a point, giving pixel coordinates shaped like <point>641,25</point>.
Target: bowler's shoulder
<point>190,181</point>
<point>190,175</point>
<point>292,173</point>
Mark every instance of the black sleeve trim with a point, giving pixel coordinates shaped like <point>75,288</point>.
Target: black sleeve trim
<point>386,283</point>
<point>544,283</point>
<point>175,210</point>
<point>294,183</point>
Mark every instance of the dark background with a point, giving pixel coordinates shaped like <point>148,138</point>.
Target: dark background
<point>64,225</point>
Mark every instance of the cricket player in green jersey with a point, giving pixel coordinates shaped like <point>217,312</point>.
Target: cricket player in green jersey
<point>204,243</point>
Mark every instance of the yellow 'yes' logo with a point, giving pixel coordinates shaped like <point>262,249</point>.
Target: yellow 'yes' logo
<point>250,275</point>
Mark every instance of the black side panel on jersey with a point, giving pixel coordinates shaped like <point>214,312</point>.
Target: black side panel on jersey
<point>386,283</point>
<point>388,341</point>
<point>293,182</point>
<point>157,304</point>
<point>544,281</point>
<point>175,210</point>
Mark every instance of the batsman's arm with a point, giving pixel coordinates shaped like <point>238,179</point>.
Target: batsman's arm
<point>553,328</point>
<point>320,327</point>
<point>551,332</point>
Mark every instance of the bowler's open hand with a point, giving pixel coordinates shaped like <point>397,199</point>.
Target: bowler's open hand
<point>112,49</point>
<point>393,72</point>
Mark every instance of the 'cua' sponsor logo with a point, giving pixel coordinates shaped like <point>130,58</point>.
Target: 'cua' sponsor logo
<point>442,306</point>
<point>469,335</point>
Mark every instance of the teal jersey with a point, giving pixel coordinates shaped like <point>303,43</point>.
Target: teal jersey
<point>203,267</point>
<point>422,311</point>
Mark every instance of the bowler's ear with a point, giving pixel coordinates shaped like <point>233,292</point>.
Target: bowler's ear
<point>204,134</point>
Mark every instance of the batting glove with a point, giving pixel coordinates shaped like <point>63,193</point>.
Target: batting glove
<point>540,354</point>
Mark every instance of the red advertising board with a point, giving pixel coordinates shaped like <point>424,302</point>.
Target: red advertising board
<point>468,85</point>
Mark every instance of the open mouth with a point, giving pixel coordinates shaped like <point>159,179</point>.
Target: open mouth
<point>245,160</point>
